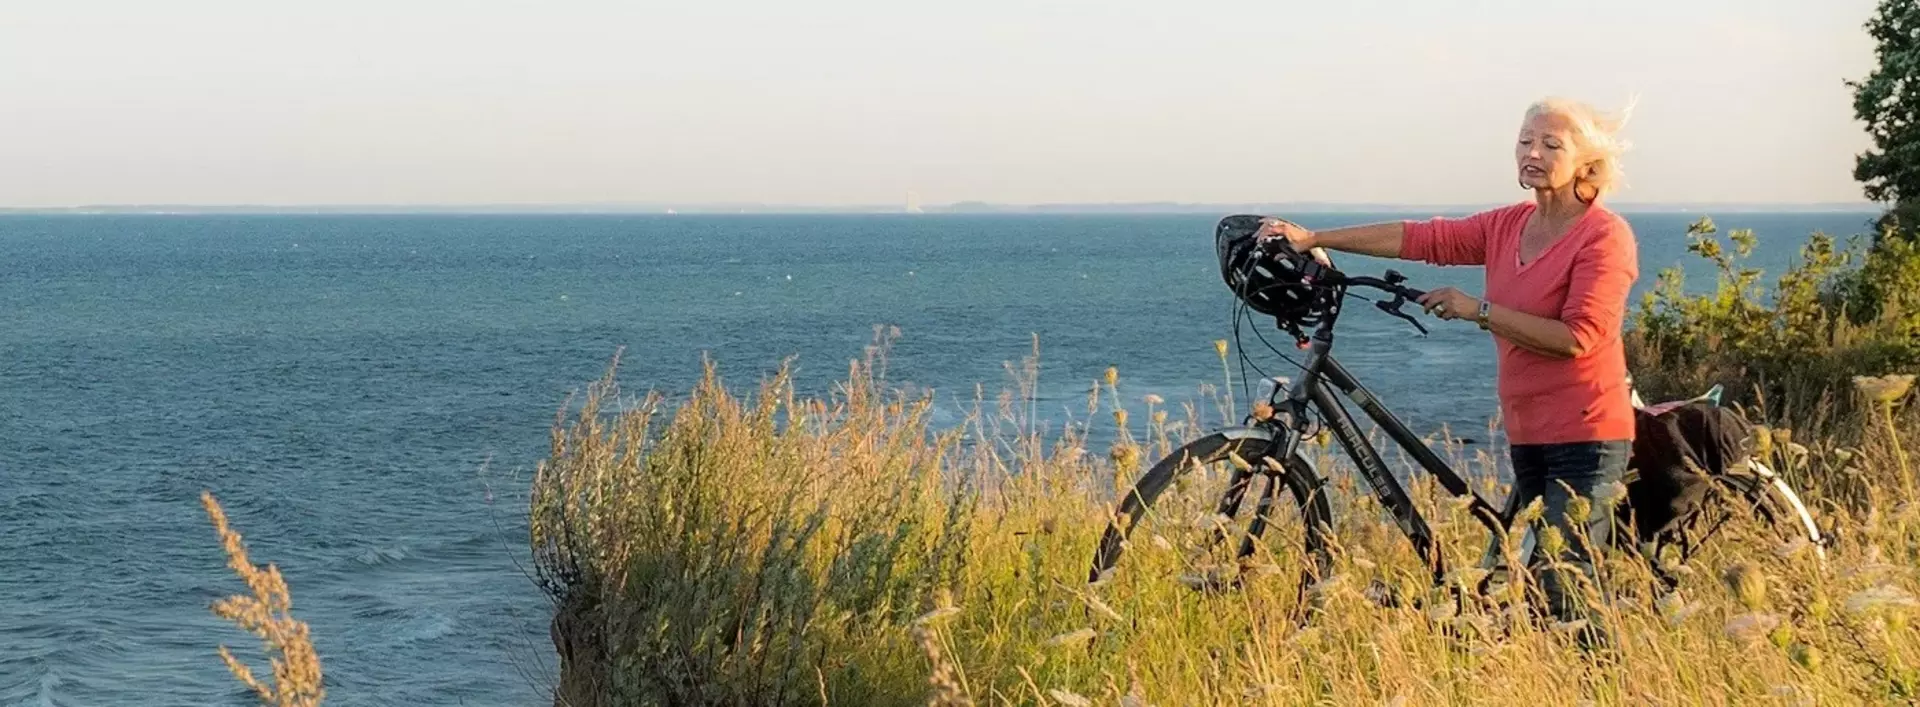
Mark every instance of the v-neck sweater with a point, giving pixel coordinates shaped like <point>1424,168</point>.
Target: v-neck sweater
<point>1582,279</point>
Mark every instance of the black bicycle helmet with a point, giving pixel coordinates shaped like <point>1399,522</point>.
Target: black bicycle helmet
<point>1270,285</point>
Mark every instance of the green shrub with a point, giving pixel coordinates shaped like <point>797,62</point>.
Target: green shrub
<point>1789,351</point>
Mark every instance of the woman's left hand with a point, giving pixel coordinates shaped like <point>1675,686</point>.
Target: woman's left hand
<point>1451,303</point>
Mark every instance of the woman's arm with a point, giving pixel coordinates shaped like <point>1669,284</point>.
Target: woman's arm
<point>1541,335</point>
<point>1441,241</point>
<point>1376,239</point>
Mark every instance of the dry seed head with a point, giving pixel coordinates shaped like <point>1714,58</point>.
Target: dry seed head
<point>1611,493</point>
<point>1260,569</point>
<point>1780,636</point>
<point>1120,417</point>
<point>1113,376</point>
<point>1568,628</point>
<point>1819,607</point>
<point>1552,542</point>
<point>297,680</point>
<point>936,615</point>
<point>1466,576</point>
<point>1750,628</point>
<point>1747,584</point>
<point>1806,655</point>
<point>1207,578</point>
<point>1793,547</point>
<point>1210,521</point>
<point>1153,399</point>
<point>1674,606</point>
<point>1239,462</point>
<point>1136,692</point>
<point>1884,389</point>
<point>1264,690</point>
<point>1532,512</point>
<point>946,688</point>
<point>1793,695</point>
<point>1883,597</point>
<point>1578,510</point>
<point>1101,608</point>
<point>1762,441</point>
<point>1071,637</point>
<point>1070,699</point>
<point>1220,347</point>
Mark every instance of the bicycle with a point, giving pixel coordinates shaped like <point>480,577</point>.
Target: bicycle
<point>1302,294</point>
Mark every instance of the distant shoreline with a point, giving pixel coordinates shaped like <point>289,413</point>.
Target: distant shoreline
<point>956,208</point>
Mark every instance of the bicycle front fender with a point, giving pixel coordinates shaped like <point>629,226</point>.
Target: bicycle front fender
<point>1248,432</point>
<point>1240,432</point>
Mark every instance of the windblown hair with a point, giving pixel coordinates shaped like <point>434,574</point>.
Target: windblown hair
<point>1598,136</point>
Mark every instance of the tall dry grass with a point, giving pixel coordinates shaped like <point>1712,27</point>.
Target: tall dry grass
<point>266,612</point>
<point>765,548</point>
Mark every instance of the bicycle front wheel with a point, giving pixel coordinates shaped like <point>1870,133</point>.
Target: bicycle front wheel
<point>1230,485</point>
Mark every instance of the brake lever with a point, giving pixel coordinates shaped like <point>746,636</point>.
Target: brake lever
<point>1393,308</point>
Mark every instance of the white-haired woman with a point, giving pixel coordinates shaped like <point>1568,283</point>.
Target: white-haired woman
<point>1558,270</point>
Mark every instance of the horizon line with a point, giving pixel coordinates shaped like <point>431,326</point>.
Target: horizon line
<point>959,207</point>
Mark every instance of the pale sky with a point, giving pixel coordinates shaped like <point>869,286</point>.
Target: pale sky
<point>845,102</point>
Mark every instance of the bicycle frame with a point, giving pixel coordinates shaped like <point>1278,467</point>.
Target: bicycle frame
<point>1323,375</point>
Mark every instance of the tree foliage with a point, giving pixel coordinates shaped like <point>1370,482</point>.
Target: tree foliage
<point>1888,101</point>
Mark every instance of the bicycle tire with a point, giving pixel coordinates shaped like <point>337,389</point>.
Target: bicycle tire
<point>1781,508</point>
<point>1252,445</point>
<point>1766,497</point>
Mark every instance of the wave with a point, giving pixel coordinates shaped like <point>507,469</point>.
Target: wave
<point>381,556</point>
<point>389,624</point>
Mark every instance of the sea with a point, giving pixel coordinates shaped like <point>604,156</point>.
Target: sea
<point>368,394</point>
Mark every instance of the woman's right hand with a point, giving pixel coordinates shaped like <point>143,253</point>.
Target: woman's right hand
<point>1300,239</point>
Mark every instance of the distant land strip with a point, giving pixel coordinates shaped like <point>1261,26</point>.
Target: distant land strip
<point>964,207</point>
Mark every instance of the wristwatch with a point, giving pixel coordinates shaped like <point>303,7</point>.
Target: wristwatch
<point>1485,316</point>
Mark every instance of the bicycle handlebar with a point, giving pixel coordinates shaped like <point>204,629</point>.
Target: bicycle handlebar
<point>1390,285</point>
<point>1316,274</point>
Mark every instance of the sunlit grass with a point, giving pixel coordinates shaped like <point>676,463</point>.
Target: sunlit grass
<point>767,548</point>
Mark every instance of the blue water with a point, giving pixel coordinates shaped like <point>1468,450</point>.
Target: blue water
<point>368,394</point>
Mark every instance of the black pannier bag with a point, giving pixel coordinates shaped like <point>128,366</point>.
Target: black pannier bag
<point>1677,450</point>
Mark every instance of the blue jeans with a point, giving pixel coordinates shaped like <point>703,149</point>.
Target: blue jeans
<point>1539,471</point>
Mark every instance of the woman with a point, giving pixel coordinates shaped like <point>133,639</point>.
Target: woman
<point>1558,270</point>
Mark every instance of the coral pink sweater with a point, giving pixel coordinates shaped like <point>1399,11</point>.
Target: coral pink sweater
<point>1581,280</point>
